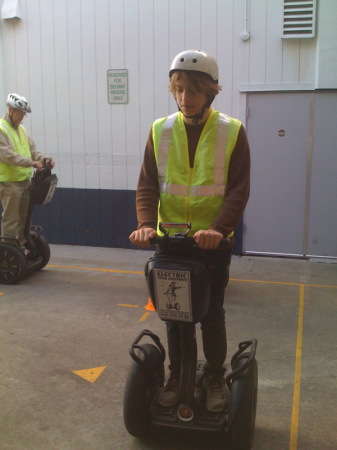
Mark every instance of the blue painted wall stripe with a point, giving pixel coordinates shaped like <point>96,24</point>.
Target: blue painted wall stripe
<point>94,217</point>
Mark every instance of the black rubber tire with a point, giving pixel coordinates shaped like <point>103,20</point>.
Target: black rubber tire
<point>243,409</point>
<point>13,264</point>
<point>141,386</point>
<point>42,247</point>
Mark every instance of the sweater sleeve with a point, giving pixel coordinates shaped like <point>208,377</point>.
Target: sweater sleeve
<point>36,155</point>
<point>147,196</point>
<point>237,189</point>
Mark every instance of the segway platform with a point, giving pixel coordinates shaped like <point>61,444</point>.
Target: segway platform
<point>178,416</point>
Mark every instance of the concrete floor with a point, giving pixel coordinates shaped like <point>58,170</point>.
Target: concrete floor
<point>82,312</point>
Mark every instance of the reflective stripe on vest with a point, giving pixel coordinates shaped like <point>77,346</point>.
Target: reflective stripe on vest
<point>20,145</point>
<point>193,194</point>
<point>216,189</point>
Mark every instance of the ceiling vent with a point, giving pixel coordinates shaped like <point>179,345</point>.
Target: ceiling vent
<point>299,18</point>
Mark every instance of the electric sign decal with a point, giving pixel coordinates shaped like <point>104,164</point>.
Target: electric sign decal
<point>172,290</point>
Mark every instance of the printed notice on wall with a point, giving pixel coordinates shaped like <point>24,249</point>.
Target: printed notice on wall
<point>118,86</point>
<point>172,290</point>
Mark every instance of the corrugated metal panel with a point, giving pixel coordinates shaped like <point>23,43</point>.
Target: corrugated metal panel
<point>299,18</point>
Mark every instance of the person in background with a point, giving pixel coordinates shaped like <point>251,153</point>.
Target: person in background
<point>196,169</point>
<point>18,155</point>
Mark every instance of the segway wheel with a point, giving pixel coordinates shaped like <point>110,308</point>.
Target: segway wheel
<point>242,414</point>
<point>13,264</point>
<point>141,385</point>
<point>42,248</point>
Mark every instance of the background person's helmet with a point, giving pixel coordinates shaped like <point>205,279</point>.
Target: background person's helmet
<point>197,61</point>
<point>16,101</point>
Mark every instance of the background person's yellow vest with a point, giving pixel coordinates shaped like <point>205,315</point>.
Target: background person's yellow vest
<point>193,194</point>
<point>19,143</point>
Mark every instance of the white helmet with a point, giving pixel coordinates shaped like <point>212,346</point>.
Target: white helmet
<point>197,61</point>
<point>16,101</point>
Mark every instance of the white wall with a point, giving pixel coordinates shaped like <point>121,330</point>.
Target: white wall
<point>326,67</point>
<point>58,55</point>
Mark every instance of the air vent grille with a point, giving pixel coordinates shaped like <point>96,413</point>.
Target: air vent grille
<point>299,18</point>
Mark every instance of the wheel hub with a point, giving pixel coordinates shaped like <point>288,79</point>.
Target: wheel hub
<point>4,265</point>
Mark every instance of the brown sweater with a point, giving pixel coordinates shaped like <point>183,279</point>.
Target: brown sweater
<point>237,190</point>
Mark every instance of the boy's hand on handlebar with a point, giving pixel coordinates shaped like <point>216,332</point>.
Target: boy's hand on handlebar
<point>142,237</point>
<point>208,239</point>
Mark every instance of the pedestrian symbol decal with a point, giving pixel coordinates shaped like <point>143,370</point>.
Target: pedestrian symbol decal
<point>172,296</point>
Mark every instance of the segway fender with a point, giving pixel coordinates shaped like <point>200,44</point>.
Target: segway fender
<point>243,401</point>
<point>242,377</point>
<point>140,354</point>
<point>238,390</point>
<point>141,386</point>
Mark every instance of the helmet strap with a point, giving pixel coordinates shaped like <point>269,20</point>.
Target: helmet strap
<point>10,113</point>
<point>199,116</point>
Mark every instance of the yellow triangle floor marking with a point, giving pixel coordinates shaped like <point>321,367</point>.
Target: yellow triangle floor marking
<point>90,375</point>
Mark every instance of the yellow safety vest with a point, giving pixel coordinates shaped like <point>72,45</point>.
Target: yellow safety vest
<point>193,194</point>
<point>19,142</point>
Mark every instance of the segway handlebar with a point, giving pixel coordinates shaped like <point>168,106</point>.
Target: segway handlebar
<point>181,237</point>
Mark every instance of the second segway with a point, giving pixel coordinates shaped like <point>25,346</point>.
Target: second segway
<point>14,262</point>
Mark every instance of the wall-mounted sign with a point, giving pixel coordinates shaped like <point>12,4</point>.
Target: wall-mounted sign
<point>118,86</point>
